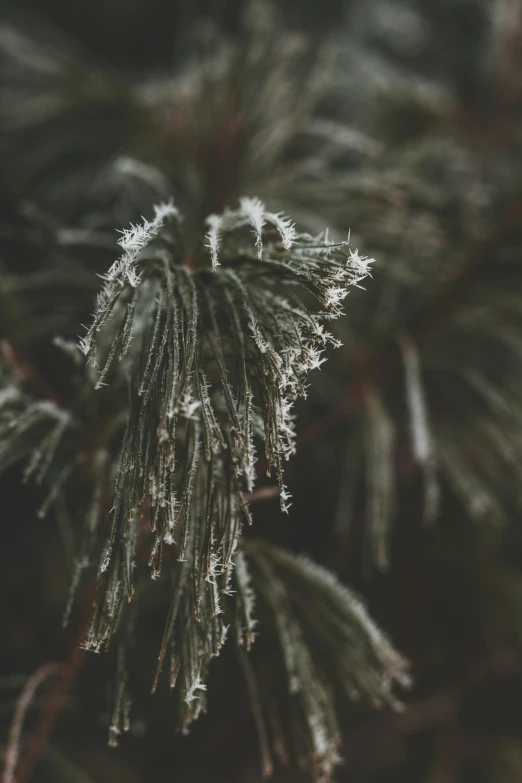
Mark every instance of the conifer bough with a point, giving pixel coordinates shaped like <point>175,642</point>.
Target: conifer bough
<point>211,361</point>
<point>214,346</point>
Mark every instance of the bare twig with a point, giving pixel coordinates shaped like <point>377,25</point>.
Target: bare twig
<point>14,740</point>
<point>66,676</point>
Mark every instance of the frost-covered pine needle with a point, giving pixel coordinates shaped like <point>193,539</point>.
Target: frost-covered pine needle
<point>214,364</point>
<point>214,223</point>
<point>318,632</point>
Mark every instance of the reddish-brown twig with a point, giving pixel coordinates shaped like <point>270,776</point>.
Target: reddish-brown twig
<point>14,740</point>
<point>67,672</point>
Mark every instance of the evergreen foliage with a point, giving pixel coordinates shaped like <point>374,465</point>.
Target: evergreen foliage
<point>159,336</point>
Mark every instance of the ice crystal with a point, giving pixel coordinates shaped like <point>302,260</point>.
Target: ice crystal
<point>214,363</point>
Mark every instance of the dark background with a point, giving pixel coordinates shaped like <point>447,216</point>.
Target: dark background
<point>452,598</point>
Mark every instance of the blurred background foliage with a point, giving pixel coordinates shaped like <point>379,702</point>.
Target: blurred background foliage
<point>400,121</point>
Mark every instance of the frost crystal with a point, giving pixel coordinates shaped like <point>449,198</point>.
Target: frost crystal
<point>254,210</point>
<point>214,364</point>
<point>214,223</point>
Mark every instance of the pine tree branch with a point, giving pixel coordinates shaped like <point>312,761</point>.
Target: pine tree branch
<point>372,370</point>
